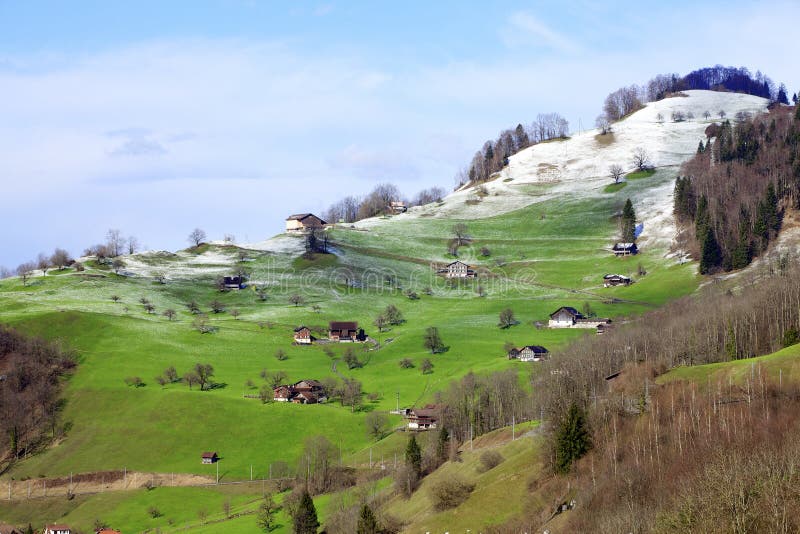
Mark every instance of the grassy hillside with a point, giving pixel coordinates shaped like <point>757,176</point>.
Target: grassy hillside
<point>499,494</point>
<point>783,364</point>
<point>541,257</point>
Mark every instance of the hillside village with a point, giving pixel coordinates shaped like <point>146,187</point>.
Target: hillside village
<point>376,364</point>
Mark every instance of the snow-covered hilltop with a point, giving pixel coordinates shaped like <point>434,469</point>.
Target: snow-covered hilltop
<point>579,165</point>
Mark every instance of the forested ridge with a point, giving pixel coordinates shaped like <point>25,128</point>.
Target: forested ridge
<point>30,374</point>
<point>731,198</point>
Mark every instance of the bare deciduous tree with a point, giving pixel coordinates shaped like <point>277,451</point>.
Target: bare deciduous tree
<point>641,158</point>
<point>43,263</point>
<point>60,258</point>
<point>24,271</point>
<point>377,424</point>
<point>115,242</point>
<point>616,172</point>
<point>133,245</point>
<point>118,264</point>
<point>197,237</point>
<point>460,233</point>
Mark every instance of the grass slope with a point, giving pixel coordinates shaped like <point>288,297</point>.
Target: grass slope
<point>784,363</point>
<point>546,255</point>
<point>499,494</point>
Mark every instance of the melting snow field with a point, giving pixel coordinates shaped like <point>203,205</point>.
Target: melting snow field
<point>579,166</point>
<point>576,167</point>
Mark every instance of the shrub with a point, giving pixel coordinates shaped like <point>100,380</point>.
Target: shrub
<point>406,363</point>
<point>450,493</point>
<point>490,460</point>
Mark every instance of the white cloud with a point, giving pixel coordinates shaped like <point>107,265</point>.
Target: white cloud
<point>525,29</point>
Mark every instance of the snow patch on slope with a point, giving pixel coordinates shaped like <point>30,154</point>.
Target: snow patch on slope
<point>578,167</point>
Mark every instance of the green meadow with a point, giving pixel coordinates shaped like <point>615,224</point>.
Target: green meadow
<point>550,254</point>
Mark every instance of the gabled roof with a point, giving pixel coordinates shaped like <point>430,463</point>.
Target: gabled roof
<point>623,246</point>
<point>538,349</point>
<point>569,309</point>
<point>343,325</point>
<point>9,529</point>
<point>458,262</point>
<point>301,216</point>
<point>620,276</point>
<point>312,383</point>
<point>209,454</point>
<point>300,328</point>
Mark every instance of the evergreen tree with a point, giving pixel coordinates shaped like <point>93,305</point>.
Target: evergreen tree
<point>773,219</point>
<point>367,524</point>
<point>743,252</point>
<point>628,222</point>
<point>710,256</point>
<point>572,439</point>
<point>521,137</point>
<point>700,147</point>
<point>782,96</point>
<point>794,99</point>
<point>701,218</point>
<point>305,518</point>
<point>414,456</point>
<point>489,155</point>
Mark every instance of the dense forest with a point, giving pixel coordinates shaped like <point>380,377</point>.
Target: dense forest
<point>30,374</point>
<point>733,192</point>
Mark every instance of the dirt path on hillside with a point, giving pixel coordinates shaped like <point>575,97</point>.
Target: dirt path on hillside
<point>99,482</point>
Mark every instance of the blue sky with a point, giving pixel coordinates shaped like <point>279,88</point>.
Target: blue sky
<point>157,117</point>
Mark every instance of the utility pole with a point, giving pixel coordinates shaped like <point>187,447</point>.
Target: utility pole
<point>217,462</point>
<point>398,401</point>
<point>251,472</point>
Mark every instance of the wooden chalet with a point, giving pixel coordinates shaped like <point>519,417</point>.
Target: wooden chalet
<point>564,317</point>
<point>397,206</point>
<point>209,457</point>
<point>302,392</point>
<point>302,222</point>
<point>458,269</point>
<point>302,336</point>
<point>345,332</point>
<point>282,393</point>
<point>57,529</point>
<point>569,317</point>
<point>625,249</point>
<point>528,353</point>
<point>423,418</point>
<point>233,282</point>
<point>613,280</point>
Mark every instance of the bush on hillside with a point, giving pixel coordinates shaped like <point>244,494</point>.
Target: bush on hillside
<point>490,460</point>
<point>450,493</point>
